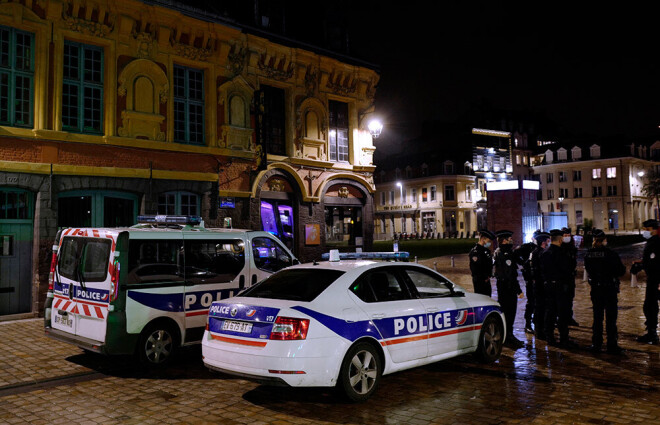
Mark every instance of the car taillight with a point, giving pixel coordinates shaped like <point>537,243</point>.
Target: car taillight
<point>289,328</point>
<point>114,280</point>
<point>51,275</point>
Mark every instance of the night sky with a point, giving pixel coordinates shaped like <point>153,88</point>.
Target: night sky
<point>580,74</point>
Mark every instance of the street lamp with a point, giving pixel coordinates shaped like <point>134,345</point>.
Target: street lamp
<point>640,173</point>
<point>375,127</point>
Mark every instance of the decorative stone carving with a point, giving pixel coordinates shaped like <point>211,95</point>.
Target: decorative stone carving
<point>236,58</point>
<point>236,132</point>
<point>312,128</point>
<point>145,44</point>
<point>191,52</point>
<point>343,192</point>
<point>276,185</point>
<point>341,83</point>
<point>277,69</point>
<point>145,86</point>
<point>311,81</point>
<point>97,29</point>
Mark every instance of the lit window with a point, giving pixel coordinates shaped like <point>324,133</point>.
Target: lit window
<point>339,131</point>
<point>595,173</point>
<point>611,172</point>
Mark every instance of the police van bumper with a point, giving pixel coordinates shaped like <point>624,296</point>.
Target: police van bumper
<point>82,342</point>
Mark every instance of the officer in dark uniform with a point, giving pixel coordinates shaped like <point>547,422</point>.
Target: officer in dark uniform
<point>604,268</point>
<point>651,265</point>
<point>523,256</point>
<point>558,281</point>
<point>568,244</point>
<point>508,287</point>
<point>481,263</point>
<point>542,243</point>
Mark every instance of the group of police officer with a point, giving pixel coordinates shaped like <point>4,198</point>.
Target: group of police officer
<point>549,266</point>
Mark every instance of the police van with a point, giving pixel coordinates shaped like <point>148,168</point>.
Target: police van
<point>147,289</point>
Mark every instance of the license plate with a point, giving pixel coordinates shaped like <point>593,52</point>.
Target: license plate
<point>242,327</point>
<point>64,321</point>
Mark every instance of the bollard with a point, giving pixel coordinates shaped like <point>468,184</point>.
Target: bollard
<point>633,280</point>
<point>415,259</point>
<point>585,277</point>
<point>453,264</point>
<point>435,265</point>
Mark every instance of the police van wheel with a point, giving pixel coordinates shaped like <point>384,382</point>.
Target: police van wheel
<point>360,372</point>
<point>490,340</point>
<point>158,343</point>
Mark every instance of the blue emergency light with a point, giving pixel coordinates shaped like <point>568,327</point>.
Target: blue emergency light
<point>396,256</point>
<point>192,220</point>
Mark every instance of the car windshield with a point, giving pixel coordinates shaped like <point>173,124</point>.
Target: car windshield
<point>294,284</point>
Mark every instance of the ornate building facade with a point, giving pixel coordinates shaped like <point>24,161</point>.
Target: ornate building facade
<point>114,109</point>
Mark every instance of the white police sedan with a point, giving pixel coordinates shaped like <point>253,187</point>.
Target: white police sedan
<point>347,323</point>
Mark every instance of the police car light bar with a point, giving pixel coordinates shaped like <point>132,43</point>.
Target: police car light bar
<point>192,220</point>
<point>398,256</point>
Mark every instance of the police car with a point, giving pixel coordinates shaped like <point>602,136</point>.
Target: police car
<point>346,323</point>
<point>147,289</point>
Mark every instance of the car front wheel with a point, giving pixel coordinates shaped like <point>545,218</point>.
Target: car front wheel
<point>490,340</point>
<point>360,372</point>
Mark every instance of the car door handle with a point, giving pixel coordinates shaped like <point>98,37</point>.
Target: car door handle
<point>378,316</point>
<point>432,309</point>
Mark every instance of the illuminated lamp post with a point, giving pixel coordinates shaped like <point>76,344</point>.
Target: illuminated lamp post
<point>375,128</point>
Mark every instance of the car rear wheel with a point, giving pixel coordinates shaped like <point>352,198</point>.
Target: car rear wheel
<point>158,344</point>
<point>490,340</point>
<point>360,372</point>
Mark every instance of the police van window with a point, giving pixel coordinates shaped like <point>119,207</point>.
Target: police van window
<point>214,261</point>
<point>428,285</point>
<point>268,255</point>
<point>85,258</point>
<point>94,259</point>
<point>379,286</point>
<point>155,261</point>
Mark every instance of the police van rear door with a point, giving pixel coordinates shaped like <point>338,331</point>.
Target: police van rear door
<point>215,269</point>
<point>83,283</point>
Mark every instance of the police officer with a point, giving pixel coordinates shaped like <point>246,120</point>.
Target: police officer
<point>523,256</point>
<point>508,287</point>
<point>568,244</point>
<point>481,263</point>
<point>542,242</point>
<point>558,280</point>
<point>651,265</point>
<point>604,268</point>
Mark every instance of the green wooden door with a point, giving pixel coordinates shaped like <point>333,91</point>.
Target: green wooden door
<point>16,208</point>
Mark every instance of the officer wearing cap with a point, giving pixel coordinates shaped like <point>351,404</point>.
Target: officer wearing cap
<point>568,244</point>
<point>604,268</point>
<point>523,256</point>
<point>542,240</point>
<point>481,263</point>
<point>651,265</point>
<point>558,280</point>
<point>508,287</point>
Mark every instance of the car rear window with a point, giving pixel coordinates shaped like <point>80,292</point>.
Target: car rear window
<point>85,258</point>
<point>294,285</point>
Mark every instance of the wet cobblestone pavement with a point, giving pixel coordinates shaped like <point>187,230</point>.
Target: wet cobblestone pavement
<point>46,382</point>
